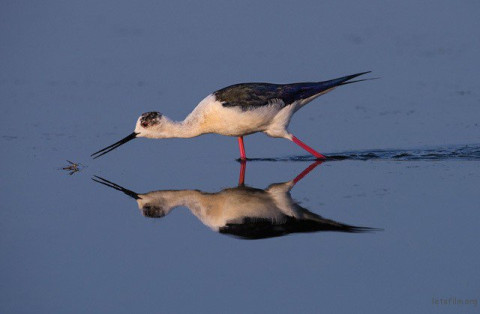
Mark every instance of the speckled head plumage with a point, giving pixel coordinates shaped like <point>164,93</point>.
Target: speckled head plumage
<point>153,211</point>
<point>151,124</point>
<point>149,119</point>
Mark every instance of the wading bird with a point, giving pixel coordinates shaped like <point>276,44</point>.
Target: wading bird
<point>242,211</point>
<point>238,110</point>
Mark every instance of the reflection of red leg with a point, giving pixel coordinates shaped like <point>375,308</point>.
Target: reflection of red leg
<point>306,171</point>
<point>242,148</point>
<point>241,177</point>
<point>307,148</point>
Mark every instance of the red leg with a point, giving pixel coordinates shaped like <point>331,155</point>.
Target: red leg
<point>242,148</point>
<point>241,177</point>
<point>306,171</point>
<point>307,148</point>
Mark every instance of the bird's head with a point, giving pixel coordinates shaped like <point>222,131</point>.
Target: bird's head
<point>149,124</point>
<point>154,211</point>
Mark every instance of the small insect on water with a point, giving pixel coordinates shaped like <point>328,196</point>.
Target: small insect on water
<point>73,167</point>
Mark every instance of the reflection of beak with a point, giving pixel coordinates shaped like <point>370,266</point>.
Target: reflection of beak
<point>113,146</point>
<point>116,187</point>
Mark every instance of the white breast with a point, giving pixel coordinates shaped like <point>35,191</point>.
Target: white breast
<point>212,117</point>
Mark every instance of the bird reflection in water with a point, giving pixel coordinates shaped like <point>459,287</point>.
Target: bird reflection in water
<point>241,211</point>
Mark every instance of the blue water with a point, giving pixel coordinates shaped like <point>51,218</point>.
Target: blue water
<point>398,197</point>
<point>450,152</point>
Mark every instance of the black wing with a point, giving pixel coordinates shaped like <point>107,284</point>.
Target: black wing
<point>249,96</point>
<point>261,228</point>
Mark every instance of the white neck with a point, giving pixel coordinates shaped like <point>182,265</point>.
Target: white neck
<point>182,129</point>
<point>198,122</point>
<point>169,199</point>
<point>168,129</point>
<point>194,200</point>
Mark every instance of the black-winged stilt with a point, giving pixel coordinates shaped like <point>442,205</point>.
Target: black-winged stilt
<point>238,110</point>
<point>242,211</point>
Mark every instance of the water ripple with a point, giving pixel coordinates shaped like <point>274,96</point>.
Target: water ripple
<point>452,152</point>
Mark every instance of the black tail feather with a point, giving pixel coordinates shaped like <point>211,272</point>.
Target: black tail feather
<point>344,80</point>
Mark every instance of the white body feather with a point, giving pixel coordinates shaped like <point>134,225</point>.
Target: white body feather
<point>218,209</point>
<point>210,116</point>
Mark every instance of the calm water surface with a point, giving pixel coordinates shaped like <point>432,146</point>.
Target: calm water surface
<point>389,224</point>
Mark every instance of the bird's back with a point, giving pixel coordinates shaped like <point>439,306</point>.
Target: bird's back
<point>248,96</point>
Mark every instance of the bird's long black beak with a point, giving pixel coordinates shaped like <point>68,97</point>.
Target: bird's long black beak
<point>116,187</point>
<point>113,146</point>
